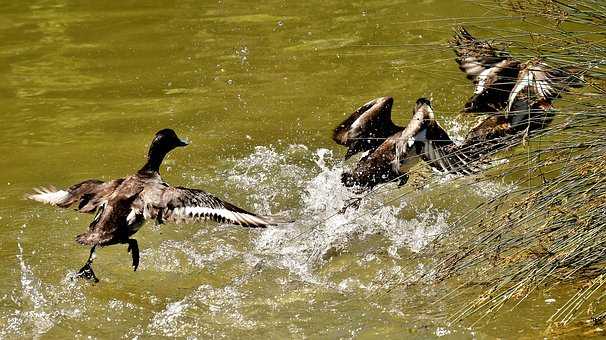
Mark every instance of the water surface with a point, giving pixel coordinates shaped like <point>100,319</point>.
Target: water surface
<point>256,88</point>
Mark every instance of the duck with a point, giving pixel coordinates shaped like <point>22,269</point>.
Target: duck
<point>392,150</point>
<point>389,156</point>
<point>499,79</point>
<point>517,97</point>
<point>121,206</point>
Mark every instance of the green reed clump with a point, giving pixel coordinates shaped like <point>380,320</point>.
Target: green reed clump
<point>550,229</point>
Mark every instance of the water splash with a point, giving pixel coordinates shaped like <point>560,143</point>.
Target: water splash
<point>40,306</point>
<point>456,129</point>
<point>321,231</point>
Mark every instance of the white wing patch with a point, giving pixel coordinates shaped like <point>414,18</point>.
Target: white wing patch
<point>537,80</point>
<point>185,213</point>
<point>471,66</point>
<point>132,216</point>
<point>482,80</point>
<point>49,196</point>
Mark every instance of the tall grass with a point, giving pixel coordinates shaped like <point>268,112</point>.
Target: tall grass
<point>550,229</point>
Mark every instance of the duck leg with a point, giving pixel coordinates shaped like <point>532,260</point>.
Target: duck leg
<point>133,248</point>
<point>403,179</point>
<point>86,272</point>
<point>353,203</point>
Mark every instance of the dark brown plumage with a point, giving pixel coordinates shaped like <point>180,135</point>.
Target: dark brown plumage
<point>367,127</point>
<point>499,78</point>
<point>423,138</point>
<point>123,205</point>
<point>516,95</point>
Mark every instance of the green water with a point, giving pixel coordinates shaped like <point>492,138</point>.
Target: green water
<point>256,88</point>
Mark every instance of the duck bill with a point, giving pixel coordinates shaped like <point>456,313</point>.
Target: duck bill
<point>183,142</point>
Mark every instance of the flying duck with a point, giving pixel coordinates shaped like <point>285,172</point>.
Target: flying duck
<point>121,206</point>
<point>499,78</point>
<point>517,96</point>
<point>393,150</point>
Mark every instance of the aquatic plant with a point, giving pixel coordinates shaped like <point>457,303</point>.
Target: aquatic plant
<point>548,230</point>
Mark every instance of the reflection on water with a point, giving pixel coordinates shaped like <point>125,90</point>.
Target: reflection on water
<point>257,90</point>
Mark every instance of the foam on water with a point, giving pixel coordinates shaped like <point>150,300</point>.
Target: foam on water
<point>286,180</point>
<point>490,190</point>
<point>456,129</point>
<point>294,181</point>
<point>320,230</point>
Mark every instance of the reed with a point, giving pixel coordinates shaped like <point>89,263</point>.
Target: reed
<point>550,229</point>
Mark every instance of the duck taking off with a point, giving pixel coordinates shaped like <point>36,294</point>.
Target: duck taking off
<point>122,206</point>
<point>517,95</point>
<point>499,78</point>
<point>393,150</point>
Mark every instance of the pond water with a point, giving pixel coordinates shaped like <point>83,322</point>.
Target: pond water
<point>256,88</point>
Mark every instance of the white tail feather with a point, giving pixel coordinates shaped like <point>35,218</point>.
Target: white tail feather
<point>49,196</point>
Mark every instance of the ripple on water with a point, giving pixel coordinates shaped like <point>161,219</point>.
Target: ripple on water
<point>172,256</point>
<point>206,311</point>
<point>40,305</point>
<point>290,180</point>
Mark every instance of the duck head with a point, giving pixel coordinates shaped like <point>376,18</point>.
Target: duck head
<point>164,141</point>
<point>167,139</point>
<point>422,116</point>
<point>423,109</point>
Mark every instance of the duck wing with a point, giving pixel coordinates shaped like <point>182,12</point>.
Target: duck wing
<point>367,127</point>
<point>424,138</point>
<point>539,81</point>
<point>88,194</point>
<point>391,159</point>
<point>421,140</point>
<point>185,205</point>
<point>498,132</point>
<point>435,147</point>
<point>492,71</point>
<point>113,222</point>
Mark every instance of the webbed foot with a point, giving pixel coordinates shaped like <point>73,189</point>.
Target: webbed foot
<point>403,180</point>
<point>351,203</point>
<point>87,273</point>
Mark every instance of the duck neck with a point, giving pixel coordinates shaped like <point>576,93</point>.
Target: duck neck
<point>155,156</point>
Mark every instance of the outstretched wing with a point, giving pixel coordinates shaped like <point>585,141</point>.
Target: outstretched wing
<point>477,58</point>
<point>539,81</point>
<point>498,132</point>
<point>367,127</point>
<point>184,205</point>
<point>441,153</point>
<point>492,71</point>
<point>88,194</point>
